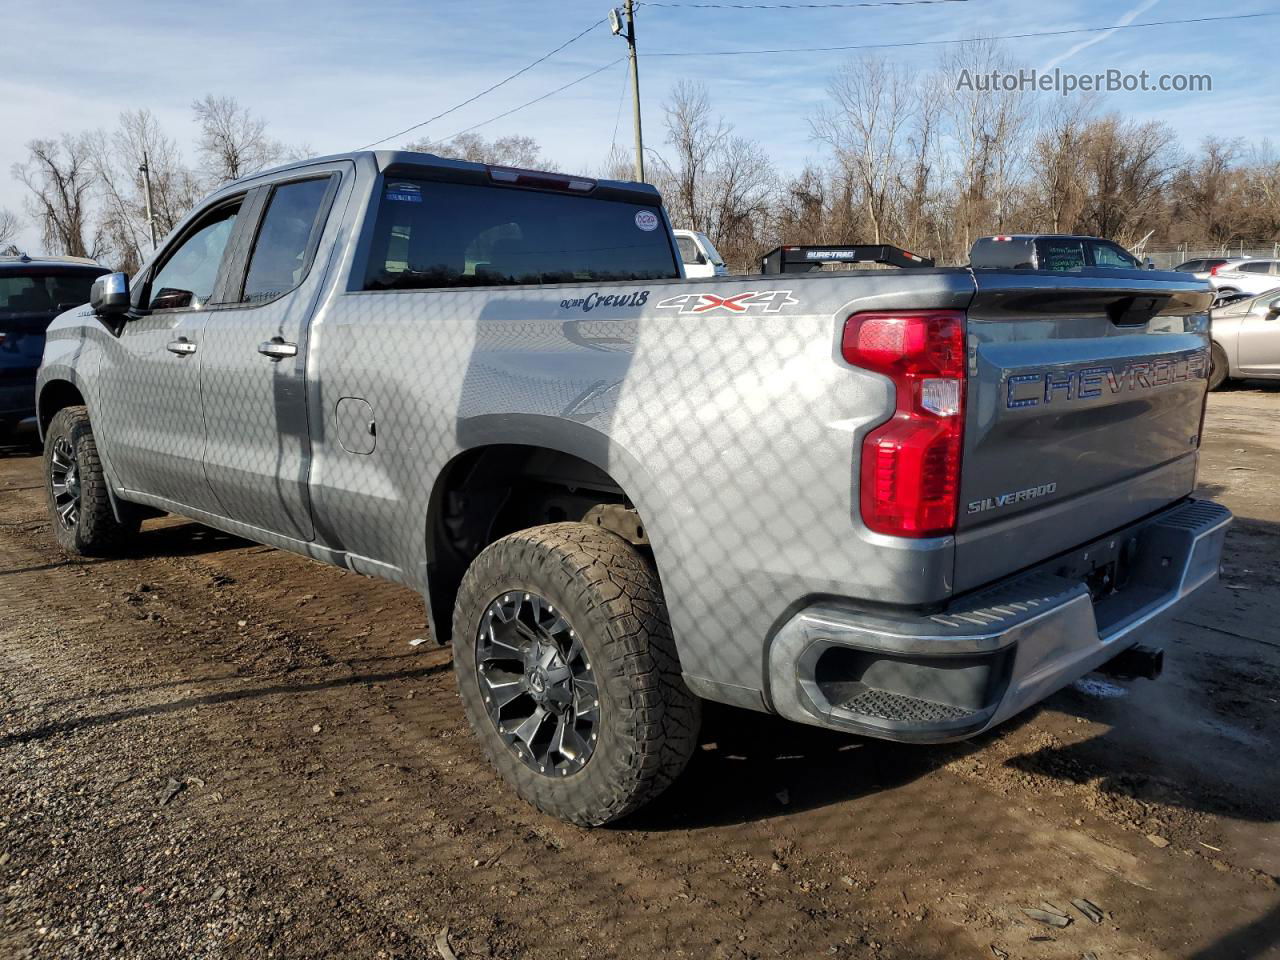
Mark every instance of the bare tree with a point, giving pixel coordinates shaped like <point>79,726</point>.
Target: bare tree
<point>696,138</point>
<point>1203,191</point>
<point>10,225</point>
<point>871,105</point>
<point>59,173</point>
<point>1128,167</point>
<point>1057,196</point>
<point>118,160</point>
<point>920,188</point>
<point>989,129</point>
<point>714,182</point>
<point>510,151</point>
<point>233,143</point>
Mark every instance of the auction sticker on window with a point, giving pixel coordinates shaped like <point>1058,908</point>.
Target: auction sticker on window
<point>404,192</point>
<point>646,220</point>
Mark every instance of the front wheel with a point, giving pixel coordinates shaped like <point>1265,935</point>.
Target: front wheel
<point>79,506</point>
<point>568,672</point>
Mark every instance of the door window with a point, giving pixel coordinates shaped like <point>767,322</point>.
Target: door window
<point>1255,267</point>
<point>189,273</point>
<point>283,250</point>
<point>1109,255</point>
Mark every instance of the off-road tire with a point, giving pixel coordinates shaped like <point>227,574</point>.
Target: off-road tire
<point>96,531</point>
<point>649,719</point>
<point>1218,367</point>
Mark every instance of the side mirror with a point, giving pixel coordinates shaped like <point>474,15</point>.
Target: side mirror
<point>1151,264</point>
<point>1273,309</point>
<point>109,296</point>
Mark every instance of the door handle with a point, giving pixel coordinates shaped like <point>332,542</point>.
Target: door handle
<point>277,349</point>
<point>182,347</point>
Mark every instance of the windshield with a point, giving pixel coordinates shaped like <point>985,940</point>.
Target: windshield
<point>432,234</point>
<point>36,293</point>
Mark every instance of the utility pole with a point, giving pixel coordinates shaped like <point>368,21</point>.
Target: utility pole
<point>628,32</point>
<point>145,170</point>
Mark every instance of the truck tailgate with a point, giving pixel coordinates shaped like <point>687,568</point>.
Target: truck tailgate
<point>1085,401</point>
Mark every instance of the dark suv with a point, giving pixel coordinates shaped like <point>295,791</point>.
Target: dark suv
<point>32,292</point>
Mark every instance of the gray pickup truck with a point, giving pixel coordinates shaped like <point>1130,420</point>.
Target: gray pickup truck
<point>902,504</point>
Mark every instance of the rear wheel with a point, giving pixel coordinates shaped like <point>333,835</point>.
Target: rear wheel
<point>568,672</point>
<point>79,507</point>
<point>1218,367</point>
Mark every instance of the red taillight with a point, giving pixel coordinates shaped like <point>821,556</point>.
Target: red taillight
<point>910,479</point>
<point>1213,271</point>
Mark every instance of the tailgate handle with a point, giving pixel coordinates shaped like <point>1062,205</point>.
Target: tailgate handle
<point>1133,311</point>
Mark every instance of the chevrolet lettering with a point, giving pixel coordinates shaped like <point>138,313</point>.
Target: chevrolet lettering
<point>1058,386</point>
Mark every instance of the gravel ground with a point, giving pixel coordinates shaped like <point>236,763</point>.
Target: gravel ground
<point>214,749</point>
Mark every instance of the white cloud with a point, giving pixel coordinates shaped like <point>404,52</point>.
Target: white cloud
<point>1099,37</point>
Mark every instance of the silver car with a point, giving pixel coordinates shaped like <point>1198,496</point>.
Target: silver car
<point>1253,276</point>
<point>1246,339</point>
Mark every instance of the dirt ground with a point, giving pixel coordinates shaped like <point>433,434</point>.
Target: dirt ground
<point>216,749</point>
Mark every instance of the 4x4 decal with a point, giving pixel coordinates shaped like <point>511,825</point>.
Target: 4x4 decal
<point>767,301</point>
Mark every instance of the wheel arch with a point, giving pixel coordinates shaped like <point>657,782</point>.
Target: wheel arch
<point>512,481</point>
<point>56,393</point>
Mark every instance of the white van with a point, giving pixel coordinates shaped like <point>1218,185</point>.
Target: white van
<point>701,259</point>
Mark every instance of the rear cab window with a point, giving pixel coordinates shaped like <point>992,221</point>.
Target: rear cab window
<point>1060,255</point>
<point>26,294</point>
<point>434,234</point>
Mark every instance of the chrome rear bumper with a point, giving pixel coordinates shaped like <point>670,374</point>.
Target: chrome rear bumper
<point>949,675</point>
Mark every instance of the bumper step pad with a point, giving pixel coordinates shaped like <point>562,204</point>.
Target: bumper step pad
<point>886,705</point>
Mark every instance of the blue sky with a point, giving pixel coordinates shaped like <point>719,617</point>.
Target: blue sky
<point>336,75</point>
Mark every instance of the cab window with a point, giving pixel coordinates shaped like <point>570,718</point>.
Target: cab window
<point>187,277</point>
<point>1109,255</point>
<point>282,253</point>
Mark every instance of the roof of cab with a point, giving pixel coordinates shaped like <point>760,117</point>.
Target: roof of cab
<point>385,160</point>
<point>26,262</point>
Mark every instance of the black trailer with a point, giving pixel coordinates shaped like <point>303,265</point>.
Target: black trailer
<point>806,258</point>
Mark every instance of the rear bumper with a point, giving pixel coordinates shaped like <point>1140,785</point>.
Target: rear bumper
<point>950,675</point>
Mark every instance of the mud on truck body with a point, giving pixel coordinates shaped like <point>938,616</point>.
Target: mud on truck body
<point>902,504</point>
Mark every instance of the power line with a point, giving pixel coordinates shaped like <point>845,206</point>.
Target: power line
<point>549,93</point>
<point>617,116</point>
<point>794,6</point>
<point>502,82</point>
<point>832,49</point>
<point>930,43</point>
